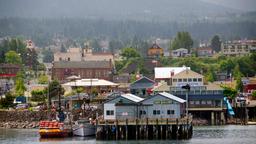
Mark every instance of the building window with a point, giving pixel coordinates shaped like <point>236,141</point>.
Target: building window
<point>203,102</point>
<point>192,102</point>
<point>174,80</point>
<point>110,112</point>
<point>60,59</point>
<point>185,80</point>
<point>142,112</point>
<point>169,112</point>
<point>209,102</point>
<point>179,80</point>
<point>194,79</point>
<point>156,112</point>
<point>68,58</point>
<point>199,79</point>
<point>189,80</point>
<point>197,102</point>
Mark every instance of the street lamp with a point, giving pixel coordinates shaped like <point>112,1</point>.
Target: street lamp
<point>187,88</point>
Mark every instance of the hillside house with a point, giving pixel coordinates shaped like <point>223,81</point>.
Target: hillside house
<point>181,52</point>
<point>155,51</point>
<point>142,87</point>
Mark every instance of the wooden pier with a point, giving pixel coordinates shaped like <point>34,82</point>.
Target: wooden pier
<point>144,129</point>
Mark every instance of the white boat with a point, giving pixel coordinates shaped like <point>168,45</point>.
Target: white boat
<point>83,128</point>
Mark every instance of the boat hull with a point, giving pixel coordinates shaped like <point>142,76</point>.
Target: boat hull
<point>45,133</point>
<point>84,130</point>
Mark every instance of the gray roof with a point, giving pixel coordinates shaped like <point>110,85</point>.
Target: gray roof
<point>132,97</point>
<point>81,64</point>
<point>170,96</point>
<point>142,83</point>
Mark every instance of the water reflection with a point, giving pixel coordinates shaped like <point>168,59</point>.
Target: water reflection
<point>201,135</point>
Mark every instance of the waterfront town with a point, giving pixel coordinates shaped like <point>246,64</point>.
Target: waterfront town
<point>130,83</point>
<point>82,82</point>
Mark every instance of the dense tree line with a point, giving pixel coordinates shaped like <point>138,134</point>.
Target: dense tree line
<point>14,51</point>
<point>43,30</point>
<point>209,67</point>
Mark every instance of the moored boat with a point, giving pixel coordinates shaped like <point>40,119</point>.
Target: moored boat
<point>83,128</point>
<point>52,129</point>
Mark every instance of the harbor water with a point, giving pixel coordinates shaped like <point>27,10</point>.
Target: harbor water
<point>234,134</point>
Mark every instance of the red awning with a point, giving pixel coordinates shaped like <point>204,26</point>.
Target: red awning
<point>7,75</point>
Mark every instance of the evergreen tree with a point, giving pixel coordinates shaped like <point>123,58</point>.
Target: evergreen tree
<point>216,43</point>
<point>182,40</point>
<point>63,48</point>
<point>48,56</point>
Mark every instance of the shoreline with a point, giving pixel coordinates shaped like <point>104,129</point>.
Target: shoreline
<point>31,119</point>
<point>19,125</point>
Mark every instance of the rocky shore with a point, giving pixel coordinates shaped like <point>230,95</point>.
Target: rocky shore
<point>21,119</point>
<point>30,119</point>
<point>20,125</point>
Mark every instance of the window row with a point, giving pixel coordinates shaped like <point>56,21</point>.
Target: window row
<point>188,80</point>
<point>143,112</point>
<point>197,102</point>
<point>169,112</point>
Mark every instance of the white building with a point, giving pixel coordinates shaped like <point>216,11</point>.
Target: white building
<point>124,106</point>
<point>166,73</point>
<point>181,52</point>
<point>162,105</point>
<point>128,106</point>
<point>238,47</point>
<point>82,54</point>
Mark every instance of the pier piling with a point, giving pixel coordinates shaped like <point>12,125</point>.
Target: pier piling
<point>144,129</point>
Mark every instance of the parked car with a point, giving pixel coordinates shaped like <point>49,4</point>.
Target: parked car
<point>240,98</point>
<point>87,107</point>
<point>22,106</point>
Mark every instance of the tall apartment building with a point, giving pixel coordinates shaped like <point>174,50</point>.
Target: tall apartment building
<point>238,47</point>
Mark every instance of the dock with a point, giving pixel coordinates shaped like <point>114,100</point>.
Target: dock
<point>145,129</point>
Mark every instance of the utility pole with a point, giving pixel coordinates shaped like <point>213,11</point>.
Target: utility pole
<point>58,89</point>
<point>186,102</point>
<point>48,100</point>
<point>187,88</point>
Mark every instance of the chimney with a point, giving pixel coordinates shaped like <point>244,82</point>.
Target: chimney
<point>186,70</point>
<point>172,73</point>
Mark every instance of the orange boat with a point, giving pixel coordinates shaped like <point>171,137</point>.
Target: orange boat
<point>52,129</point>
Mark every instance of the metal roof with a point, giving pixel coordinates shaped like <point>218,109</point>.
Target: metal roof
<point>132,97</point>
<point>165,72</point>
<point>170,96</point>
<point>90,82</point>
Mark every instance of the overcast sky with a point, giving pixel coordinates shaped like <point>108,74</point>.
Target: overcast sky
<point>237,4</point>
<point>122,8</point>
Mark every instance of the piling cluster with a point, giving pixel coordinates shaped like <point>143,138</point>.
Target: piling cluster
<point>144,129</point>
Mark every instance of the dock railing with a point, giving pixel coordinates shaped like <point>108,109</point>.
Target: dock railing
<point>147,121</point>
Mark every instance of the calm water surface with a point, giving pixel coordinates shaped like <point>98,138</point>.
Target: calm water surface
<point>201,135</point>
